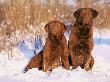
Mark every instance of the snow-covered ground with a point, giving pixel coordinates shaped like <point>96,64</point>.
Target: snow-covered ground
<point>12,70</point>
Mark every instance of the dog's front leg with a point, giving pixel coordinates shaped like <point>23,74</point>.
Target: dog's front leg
<point>65,54</point>
<point>72,54</point>
<point>65,60</point>
<point>87,62</point>
<point>73,59</point>
<point>91,63</point>
<point>46,61</point>
<point>72,42</point>
<point>46,54</point>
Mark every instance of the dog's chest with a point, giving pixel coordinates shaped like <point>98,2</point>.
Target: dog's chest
<point>81,49</point>
<point>79,59</point>
<point>56,41</point>
<point>82,34</point>
<point>80,54</point>
<point>56,51</point>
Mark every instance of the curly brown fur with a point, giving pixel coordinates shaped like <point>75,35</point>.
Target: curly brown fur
<point>55,50</point>
<point>35,62</point>
<point>81,39</point>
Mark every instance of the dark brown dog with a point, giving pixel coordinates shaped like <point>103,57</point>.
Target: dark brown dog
<point>35,62</point>
<point>81,39</point>
<point>55,51</point>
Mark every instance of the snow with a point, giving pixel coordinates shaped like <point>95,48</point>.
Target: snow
<point>71,2</point>
<point>105,34</point>
<point>103,1</point>
<point>13,66</point>
<point>67,2</point>
<point>12,70</point>
<point>4,1</point>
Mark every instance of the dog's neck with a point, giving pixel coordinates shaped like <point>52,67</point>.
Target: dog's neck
<point>83,27</point>
<point>56,38</point>
<point>59,37</point>
<point>80,24</point>
<point>82,32</point>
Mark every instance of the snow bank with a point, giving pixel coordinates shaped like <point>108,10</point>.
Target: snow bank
<point>12,71</point>
<point>102,33</point>
<point>12,65</point>
<point>100,72</point>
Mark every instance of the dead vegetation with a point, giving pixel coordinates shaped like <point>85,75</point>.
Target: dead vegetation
<point>19,17</point>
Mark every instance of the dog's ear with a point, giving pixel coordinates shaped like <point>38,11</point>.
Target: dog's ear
<point>77,13</point>
<point>64,29</point>
<point>94,13</point>
<point>47,27</point>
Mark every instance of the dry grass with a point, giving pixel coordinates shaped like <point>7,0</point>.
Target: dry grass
<point>19,14</point>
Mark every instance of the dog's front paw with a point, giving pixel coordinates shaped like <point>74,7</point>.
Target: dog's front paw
<point>87,67</point>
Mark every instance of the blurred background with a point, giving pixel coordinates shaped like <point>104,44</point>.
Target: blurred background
<point>22,21</point>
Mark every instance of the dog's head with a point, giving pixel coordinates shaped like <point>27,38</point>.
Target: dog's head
<point>55,27</point>
<point>85,15</point>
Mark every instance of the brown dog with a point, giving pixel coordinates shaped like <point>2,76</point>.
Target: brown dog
<point>55,51</point>
<point>81,39</point>
<point>35,62</point>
